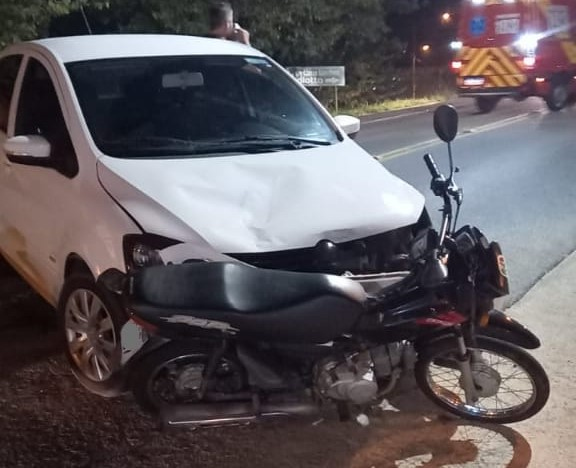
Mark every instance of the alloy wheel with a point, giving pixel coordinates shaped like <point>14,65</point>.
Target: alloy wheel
<point>90,335</point>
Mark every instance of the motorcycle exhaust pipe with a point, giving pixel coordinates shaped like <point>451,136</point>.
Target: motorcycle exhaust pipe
<point>217,414</point>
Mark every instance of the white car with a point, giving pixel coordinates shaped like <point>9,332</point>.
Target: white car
<point>123,151</point>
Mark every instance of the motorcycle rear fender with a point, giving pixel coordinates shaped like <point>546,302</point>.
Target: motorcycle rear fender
<point>505,328</point>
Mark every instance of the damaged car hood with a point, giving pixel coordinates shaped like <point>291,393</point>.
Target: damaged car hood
<point>265,202</point>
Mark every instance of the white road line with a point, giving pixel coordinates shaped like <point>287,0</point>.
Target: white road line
<point>396,117</point>
<point>465,133</point>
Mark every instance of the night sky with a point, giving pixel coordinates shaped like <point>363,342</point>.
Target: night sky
<point>426,27</point>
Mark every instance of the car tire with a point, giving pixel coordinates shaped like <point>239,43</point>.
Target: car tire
<point>91,319</point>
<point>558,96</point>
<point>486,104</point>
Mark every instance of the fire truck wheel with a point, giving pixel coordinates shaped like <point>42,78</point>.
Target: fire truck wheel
<point>486,104</point>
<point>558,96</point>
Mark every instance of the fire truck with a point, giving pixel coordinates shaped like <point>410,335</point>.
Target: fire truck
<point>516,48</point>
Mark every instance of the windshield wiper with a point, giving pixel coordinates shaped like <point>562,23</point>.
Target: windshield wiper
<point>151,141</point>
<point>294,140</point>
<point>165,146</point>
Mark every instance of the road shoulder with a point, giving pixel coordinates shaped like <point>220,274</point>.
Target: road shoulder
<point>547,309</point>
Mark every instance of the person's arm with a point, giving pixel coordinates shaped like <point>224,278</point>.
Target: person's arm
<point>240,34</point>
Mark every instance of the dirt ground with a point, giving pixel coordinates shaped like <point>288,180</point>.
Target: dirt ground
<point>48,420</point>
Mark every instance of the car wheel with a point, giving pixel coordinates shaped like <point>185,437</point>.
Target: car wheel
<point>91,322</point>
<point>558,96</point>
<point>486,104</point>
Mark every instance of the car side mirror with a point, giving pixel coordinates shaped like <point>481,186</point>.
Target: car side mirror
<point>349,125</point>
<point>27,149</point>
<point>446,123</point>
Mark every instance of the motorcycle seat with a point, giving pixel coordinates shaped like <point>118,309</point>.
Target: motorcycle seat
<point>236,287</point>
<point>258,303</point>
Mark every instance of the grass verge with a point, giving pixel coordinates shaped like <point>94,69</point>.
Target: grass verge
<point>390,105</point>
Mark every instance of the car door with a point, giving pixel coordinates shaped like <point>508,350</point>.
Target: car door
<point>39,191</point>
<point>9,68</point>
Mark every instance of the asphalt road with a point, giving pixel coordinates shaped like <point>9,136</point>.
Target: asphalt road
<point>517,169</point>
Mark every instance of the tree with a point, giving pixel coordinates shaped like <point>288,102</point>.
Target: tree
<point>30,19</point>
<point>294,32</point>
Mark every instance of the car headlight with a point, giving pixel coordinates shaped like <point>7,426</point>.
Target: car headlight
<point>144,255</point>
<point>142,250</point>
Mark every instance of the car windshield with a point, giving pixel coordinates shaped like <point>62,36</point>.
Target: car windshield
<point>195,106</point>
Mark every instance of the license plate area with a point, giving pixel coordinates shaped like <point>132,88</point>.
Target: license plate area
<point>474,81</point>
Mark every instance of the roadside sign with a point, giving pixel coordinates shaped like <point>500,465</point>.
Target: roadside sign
<point>312,77</point>
<point>319,76</point>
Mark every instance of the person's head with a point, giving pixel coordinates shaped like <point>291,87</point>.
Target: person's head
<point>221,17</point>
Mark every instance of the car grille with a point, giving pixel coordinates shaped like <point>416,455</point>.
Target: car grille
<point>381,253</point>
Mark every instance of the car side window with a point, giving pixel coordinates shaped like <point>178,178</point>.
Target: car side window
<point>40,113</point>
<point>9,67</point>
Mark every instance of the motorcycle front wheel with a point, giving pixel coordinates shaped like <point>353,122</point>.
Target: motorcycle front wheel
<point>511,385</point>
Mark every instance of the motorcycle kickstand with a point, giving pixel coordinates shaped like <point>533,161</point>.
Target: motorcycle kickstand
<point>464,362</point>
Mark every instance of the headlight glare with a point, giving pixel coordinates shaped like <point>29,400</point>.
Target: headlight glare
<point>528,43</point>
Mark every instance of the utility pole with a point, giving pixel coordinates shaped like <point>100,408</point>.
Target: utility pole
<point>414,48</point>
<point>413,72</point>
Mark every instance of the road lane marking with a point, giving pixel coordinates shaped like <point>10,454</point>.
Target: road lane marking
<point>407,149</point>
<point>473,131</point>
<point>498,124</point>
<point>396,117</point>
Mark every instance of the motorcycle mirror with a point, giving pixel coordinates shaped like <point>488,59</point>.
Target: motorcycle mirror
<point>446,123</point>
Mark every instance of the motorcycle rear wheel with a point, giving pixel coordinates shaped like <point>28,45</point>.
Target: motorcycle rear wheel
<point>174,374</point>
<point>512,385</point>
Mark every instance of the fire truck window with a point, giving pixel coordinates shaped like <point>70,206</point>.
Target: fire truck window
<point>558,18</point>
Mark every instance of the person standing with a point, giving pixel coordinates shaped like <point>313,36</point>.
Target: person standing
<point>222,25</point>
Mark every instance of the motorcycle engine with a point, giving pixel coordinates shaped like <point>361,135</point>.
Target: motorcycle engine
<point>349,380</point>
<point>355,377</point>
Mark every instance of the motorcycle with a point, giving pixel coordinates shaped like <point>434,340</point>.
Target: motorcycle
<point>230,343</point>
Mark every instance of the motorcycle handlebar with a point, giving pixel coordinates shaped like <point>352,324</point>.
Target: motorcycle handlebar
<point>432,166</point>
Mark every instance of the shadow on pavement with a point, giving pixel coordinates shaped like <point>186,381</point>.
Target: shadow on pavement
<point>28,327</point>
<point>411,441</point>
<point>418,434</point>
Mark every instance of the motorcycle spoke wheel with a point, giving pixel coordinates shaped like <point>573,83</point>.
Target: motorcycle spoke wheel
<point>510,385</point>
<point>175,373</point>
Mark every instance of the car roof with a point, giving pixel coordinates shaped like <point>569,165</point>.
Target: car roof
<point>80,48</point>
